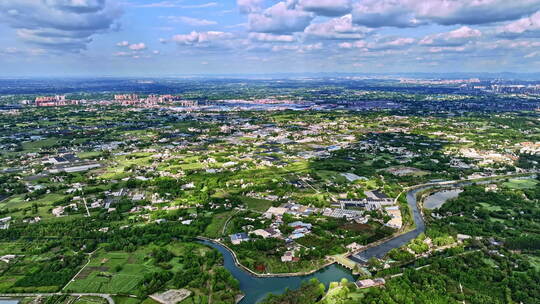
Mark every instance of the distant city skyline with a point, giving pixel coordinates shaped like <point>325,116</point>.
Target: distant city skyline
<point>179,37</point>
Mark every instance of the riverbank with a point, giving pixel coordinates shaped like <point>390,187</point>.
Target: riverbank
<point>257,287</point>
<point>263,275</point>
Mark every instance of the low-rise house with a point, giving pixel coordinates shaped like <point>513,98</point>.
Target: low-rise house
<point>275,211</point>
<point>297,235</point>
<point>463,237</point>
<point>267,233</point>
<point>354,247</point>
<point>95,205</point>
<point>58,211</point>
<point>4,222</point>
<point>138,197</point>
<point>288,256</point>
<point>7,258</point>
<point>238,238</point>
<point>299,224</point>
<point>396,221</point>
<point>32,220</point>
<point>370,283</point>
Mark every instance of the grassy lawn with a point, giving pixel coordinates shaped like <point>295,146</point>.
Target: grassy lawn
<point>255,203</point>
<point>520,183</point>
<point>44,204</point>
<point>125,300</point>
<point>490,207</point>
<point>216,226</point>
<point>16,201</point>
<point>87,155</point>
<point>332,176</point>
<point>36,145</point>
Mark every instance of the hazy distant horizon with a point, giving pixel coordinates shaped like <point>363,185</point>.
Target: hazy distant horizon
<point>533,76</point>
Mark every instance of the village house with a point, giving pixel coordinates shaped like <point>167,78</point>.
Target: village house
<point>267,233</point>
<point>7,258</point>
<point>4,222</point>
<point>370,283</point>
<point>396,220</point>
<point>238,238</point>
<point>288,256</point>
<point>354,247</point>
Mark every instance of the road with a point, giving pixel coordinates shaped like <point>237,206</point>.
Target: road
<point>88,262</point>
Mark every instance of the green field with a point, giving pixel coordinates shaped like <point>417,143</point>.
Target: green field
<point>101,274</point>
<point>255,203</point>
<point>490,207</point>
<point>36,145</point>
<point>214,230</point>
<point>90,300</point>
<point>521,183</point>
<point>121,272</point>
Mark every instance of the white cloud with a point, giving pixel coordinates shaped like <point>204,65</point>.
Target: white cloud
<point>354,45</point>
<point>524,27</point>
<point>411,13</point>
<point>249,6</point>
<point>392,43</point>
<point>298,48</point>
<point>379,13</point>
<point>279,19</point>
<point>191,21</point>
<point>66,25</point>
<point>458,37</point>
<point>137,46</point>
<point>177,4</point>
<point>379,45</point>
<point>122,43</point>
<point>264,37</point>
<point>122,54</point>
<point>201,38</point>
<point>473,11</point>
<point>448,49</point>
<point>330,8</point>
<point>337,28</point>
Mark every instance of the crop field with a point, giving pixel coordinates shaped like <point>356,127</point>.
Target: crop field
<point>113,272</point>
<point>121,272</point>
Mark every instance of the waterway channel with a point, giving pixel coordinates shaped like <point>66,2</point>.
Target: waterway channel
<point>257,288</point>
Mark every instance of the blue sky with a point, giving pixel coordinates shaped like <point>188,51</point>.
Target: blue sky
<point>177,37</point>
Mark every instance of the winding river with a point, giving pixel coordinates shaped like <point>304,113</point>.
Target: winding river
<point>380,250</point>
<point>256,288</point>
